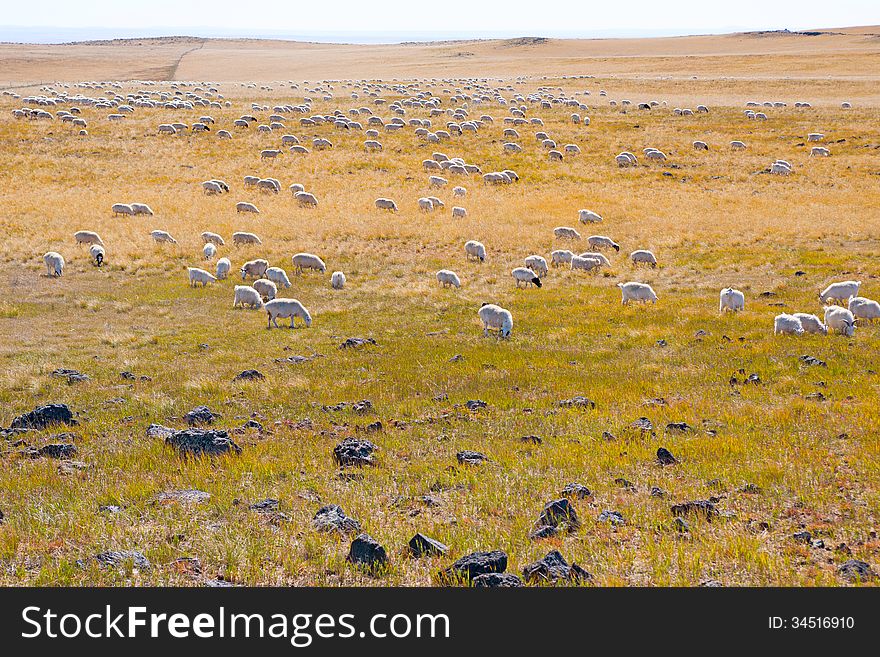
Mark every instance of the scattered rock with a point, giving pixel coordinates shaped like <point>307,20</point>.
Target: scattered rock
<point>249,375</point>
<point>705,508</point>
<point>559,512</point>
<point>354,343</point>
<point>656,401</point>
<point>534,440</point>
<point>576,491</point>
<point>643,424</point>
<point>665,457</point>
<point>265,506</point>
<point>468,457</point>
<point>662,343</point>
<point>366,551</point>
<point>112,509</point>
<point>456,359</point>
<point>816,396</point>
<point>614,517</point>
<point>362,407</point>
<point>191,496</point>
<point>711,584</point>
<point>857,571</point>
<point>578,401</point>
<point>332,518</point>
<point>252,424</point>
<point>44,417</point>
<point>354,452</point>
<point>199,442</point>
<point>812,360</point>
<point>679,427</point>
<point>475,564</point>
<point>422,546</point>
<point>475,404</point>
<point>293,360</point>
<point>72,376</point>
<point>608,436</point>
<point>159,431</point>
<point>750,489</point>
<point>625,483</point>
<point>129,376</point>
<point>681,525</point>
<point>543,531</point>
<point>800,273</point>
<point>53,451</point>
<point>200,415</point>
<point>118,558</point>
<point>554,568</point>
<point>374,427</point>
<point>656,491</point>
<point>442,397</point>
<point>496,581</point>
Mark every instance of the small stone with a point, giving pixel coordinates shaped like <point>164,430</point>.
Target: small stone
<point>362,407</point>
<point>656,491</point>
<point>374,427</point>
<point>44,417</point>
<point>615,518</point>
<point>679,427</point>
<point>554,568</point>
<point>54,451</point>
<point>803,537</point>
<point>265,506</point>
<point>812,360</point>
<point>559,512</point>
<point>201,442</point>
<point>475,404</point>
<point>112,509</point>
<point>665,457</point>
<point>681,525</point>
<point>578,401</point>
<point>711,584</point>
<point>576,491</point>
<point>855,570</point>
<point>496,581</point>
<point>625,483</point>
<point>751,489</point>
<point>468,457</point>
<point>534,440</point>
<point>366,551</point>
<point>643,424</point>
<point>332,518</point>
<point>456,359</point>
<point>117,559</point>
<point>249,375</point>
<point>696,507</point>
<point>608,436</point>
<point>543,531</point>
<point>354,452</point>
<point>354,343</point>
<point>200,415</point>
<point>421,546</point>
<point>475,564</point>
<point>159,431</point>
<point>252,424</point>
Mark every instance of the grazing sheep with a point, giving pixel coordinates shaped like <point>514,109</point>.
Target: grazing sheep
<point>497,318</point>
<point>737,145</point>
<point>840,320</point>
<point>603,261</point>
<point>448,278</point>
<point>122,208</point>
<point>731,299</point>
<point>251,181</point>
<point>306,199</point>
<point>436,202</point>
<point>97,254</point>
<point>269,154</point>
<point>785,324</point>
<point>525,275</point>
<point>223,267</point>
<point>372,145</point>
<point>197,276</point>
<point>267,289</point>
<point>224,134</point>
<point>555,156</point>
<point>459,212</point>
<point>840,292</point>
<point>277,276</point>
<point>303,261</point>
<point>475,249</point>
<point>210,187</point>
<point>602,242</point>
<point>637,292</point>
<point>811,324</point>
<point>780,168</point>
<point>626,159</point>
<point>459,191</point>
<point>819,151</point>
<point>815,136</point>
<point>431,165</point>
<point>162,237</point>
<point>141,208</point>
<point>566,233</point>
<point>54,264</point>
<point>287,308</point>
<point>584,263</point>
<point>572,149</point>
<point>589,217</point>
<point>386,204</point>
<point>254,268</point>
<point>864,309</point>
<point>437,181</point>
<point>209,251</point>
<point>511,147</point>
<point>242,206</point>
<point>239,238</point>
<point>245,295</point>
<point>537,264</point>
<point>426,204</point>
<point>87,237</point>
<point>212,238</point>
<point>337,280</point>
<point>643,256</point>
<point>561,257</point>
<point>701,146</point>
<point>269,185</point>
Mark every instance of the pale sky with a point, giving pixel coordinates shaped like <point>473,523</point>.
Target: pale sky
<point>525,17</point>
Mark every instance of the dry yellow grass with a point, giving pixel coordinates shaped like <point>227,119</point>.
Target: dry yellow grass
<point>713,222</point>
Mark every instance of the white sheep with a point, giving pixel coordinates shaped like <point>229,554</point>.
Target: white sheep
<point>459,212</point>
<point>162,237</point>
<point>122,208</point>
<point>785,324</point>
<point>240,237</point>
<point>840,320</point>
<point>54,264</point>
<point>306,199</point>
<point>212,238</point>
<point>210,187</point>
<point>589,217</point>
<point>337,280</point>
<point>245,295</point>
<point>737,145</point>
<point>637,292</point>
<point>819,151</point>
<point>141,208</point>
<point>87,237</point>
<point>209,251</point>
<point>97,254</point>
<point>287,308</point>
<point>278,276</point>
<point>642,256</point>
<point>243,206</point>
<point>296,187</point>
<point>603,261</point>
<point>426,204</point>
<point>602,242</point>
<point>223,267</point>
<point>811,324</point>
<point>437,181</point>
<point>537,264</point>
<point>303,261</point>
<point>701,146</point>
<point>475,249</point>
<point>386,204</point>
<point>731,299</point>
<point>267,289</point>
<point>864,309</point>
<point>197,276</point>
<point>584,263</point>
<point>840,292</point>
<point>459,191</point>
<point>566,233</point>
<point>448,278</point>
<point>561,257</point>
<point>254,268</point>
<point>525,275</point>
<point>497,318</point>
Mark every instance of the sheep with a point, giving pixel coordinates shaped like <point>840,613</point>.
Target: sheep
<point>212,238</point>
<point>255,268</point>
<point>431,165</point>
<point>864,309</point>
<point>737,145</point>
<point>654,154</point>
<point>459,212</point>
<point>437,181</point>
<point>287,308</point>
<point>251,181</point>
<point>267,289</point>
<point>269,153</point>
<point>511,147</point>
<point>197,276</point>
<point>167,129</point>
<point>572,149</point>
<point>785,324</point>
<point>780,168</point>
<point>97,254</point>
<point>603,261</point>
<point>475,249</point>
<point>840,320</point>
<point>306,199</point>
<point>223,267</point>
<point>277,276</point>
<point>626,160</point>
<point>448,278</point>
<point>54,264</point>
<point>337,280</point>
<point>642,256</point>
<point>561,257</point>
<point>209,251</point>
<point>436,202</point>
<point>819,151</point>
<point>602,242</point>
<point>566,233</point>
<point>210,187</point>
<point>141,208</point>
<point>224,134</point>
<point>811,324</point>
<point>162,237</point>
<point>732,300</point>
<point>303,261</point>
<point>701,146</point>
<point>840,292</point>
<point>537,264</point>
<point>242,206</point>
<point>87,237</point>
<point>269,185</point>
<point>555,156</point>
<point>459,191</point>
<point>386,204</point>
<point>584,263</point>
<point>815,136</point>
<point>637,292</point>
<point>525,275</point>
<point>239,238</point>
<point>589,217</point>
<point>122,208</point>
<point>497,318</point>
<point>245,295</point>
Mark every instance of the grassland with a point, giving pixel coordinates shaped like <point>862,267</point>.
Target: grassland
<point>713,222</point>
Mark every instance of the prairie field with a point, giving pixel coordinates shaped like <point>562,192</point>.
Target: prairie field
<point>796,451</point>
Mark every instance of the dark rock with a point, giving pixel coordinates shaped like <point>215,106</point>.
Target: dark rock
<point>656,491</point>
<point>608,436</point>
<point>112,509</point>
<point>554,568</point>
<point>751,489</point>
<point>53,451</point>
<point>200,415</point>
<point>118,558</point>
<point>442,397</point>
<point>293,360</point>
<point>190,496</point>
<point>468,457</point>
<point>625,483</point>
<point>543,531</point>
<point>354,343</point>
<point>374,427</point>
<point>249,375</point>
<point>662,343</point>
<point>43,417</point>
<point>559,512</point>
<point>643,424</point>
<point>200,442</point>
<point>681,525</point>
<point>576,491</point>
<point>613,517</point>
<point>456,359</point>
<point>711,584</point>
<point>705,508</point>
<point>534,440</point>
<point>362,407</point>
<point>252,424</point>
<point>800,273</point>
<point>366,551</point>
<point>354,452</point>
<point>665,457</point>
<point>496,581</point>
<point>857,571</point>
<point>2,517</point>
<point>421,546</point>
<point>656,401</point>
<point>475,404</point>
<point>816,396</point>
<point>812,360</point>
<point>680,427</point>
<point>265,506</point>
<point>332,518</point>
<point>159,431</point>
<point>578,401</point>
<point>474,564</point>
